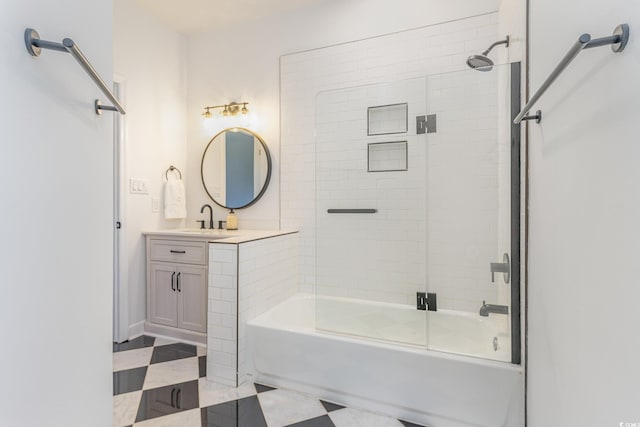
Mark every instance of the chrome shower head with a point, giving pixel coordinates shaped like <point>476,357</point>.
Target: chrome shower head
<point>482,62</point>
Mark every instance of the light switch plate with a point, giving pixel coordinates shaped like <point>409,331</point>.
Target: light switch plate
<point>138,186</point>
<point>155,205</point>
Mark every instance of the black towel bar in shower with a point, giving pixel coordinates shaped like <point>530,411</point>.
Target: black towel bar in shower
<point>352,211</point>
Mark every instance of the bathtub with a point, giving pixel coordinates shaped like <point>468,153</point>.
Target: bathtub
<point>406,381</point>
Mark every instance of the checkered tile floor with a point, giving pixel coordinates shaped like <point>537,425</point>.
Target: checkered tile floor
<point>157,383</point>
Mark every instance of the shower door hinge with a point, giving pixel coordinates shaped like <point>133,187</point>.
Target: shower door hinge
<point>426,124</point>
<point>426,301</point>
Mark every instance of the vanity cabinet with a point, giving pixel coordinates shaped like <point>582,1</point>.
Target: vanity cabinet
<point>177,284</point>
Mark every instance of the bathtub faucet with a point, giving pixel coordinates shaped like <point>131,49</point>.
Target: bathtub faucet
<point>492,308</point>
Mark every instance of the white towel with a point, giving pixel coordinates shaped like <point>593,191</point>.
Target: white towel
<point>175,205</point>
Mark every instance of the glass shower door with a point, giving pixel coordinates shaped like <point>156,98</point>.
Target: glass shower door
<point>469,210</point>
<point>417,198</point>
<point>370,212</point>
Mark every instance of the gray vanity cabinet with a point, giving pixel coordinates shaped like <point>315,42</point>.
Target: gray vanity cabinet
<point>177,284</point>
<point>163,309</point>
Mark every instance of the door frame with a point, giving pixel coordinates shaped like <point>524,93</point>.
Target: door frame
<point>120,259</point>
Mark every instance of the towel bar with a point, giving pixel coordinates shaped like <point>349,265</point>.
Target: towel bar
<point>352,211</point>
<point>35,45</point>
<point>171,169</point>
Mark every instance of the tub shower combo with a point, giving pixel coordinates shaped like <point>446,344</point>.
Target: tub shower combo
<point>416,311</point>
<point>417,302</point>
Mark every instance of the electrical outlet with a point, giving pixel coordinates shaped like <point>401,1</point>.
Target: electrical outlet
<point>155,205</point>
<point>138,186</point>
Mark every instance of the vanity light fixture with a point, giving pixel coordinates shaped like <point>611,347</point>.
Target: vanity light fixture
<point>231,109</point>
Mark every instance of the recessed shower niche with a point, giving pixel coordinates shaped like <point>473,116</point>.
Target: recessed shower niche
<point>387,156</point>
<point>387,119</point>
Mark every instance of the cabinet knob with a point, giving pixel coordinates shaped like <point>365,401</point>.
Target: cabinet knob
<point>178,281</point>
<point>173,275</point>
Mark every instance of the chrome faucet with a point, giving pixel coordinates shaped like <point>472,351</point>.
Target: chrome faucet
<point>210,215</point>
<point>493,308</point>
<point>501,267</point>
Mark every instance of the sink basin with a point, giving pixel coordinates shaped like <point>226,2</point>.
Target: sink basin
<point>212,234</point>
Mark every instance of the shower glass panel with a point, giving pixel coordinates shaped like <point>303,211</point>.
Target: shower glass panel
<point>469,211</point>
<point>418,212</point>
<point>371,212</point>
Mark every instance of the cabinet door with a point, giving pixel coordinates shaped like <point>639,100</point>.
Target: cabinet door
<point>164,295</point>
<point>192,298</point>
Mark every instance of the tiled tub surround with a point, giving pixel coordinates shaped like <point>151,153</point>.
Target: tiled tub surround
<point>407,382</point>
<point>246,278</point>
<point>407,55</point>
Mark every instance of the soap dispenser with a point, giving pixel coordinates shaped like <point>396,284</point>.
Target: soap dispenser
<point>232,221</point>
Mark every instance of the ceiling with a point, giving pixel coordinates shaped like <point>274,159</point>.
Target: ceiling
<point>196,16</point>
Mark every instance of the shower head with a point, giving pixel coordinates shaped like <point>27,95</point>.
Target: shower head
<point>482,62</point>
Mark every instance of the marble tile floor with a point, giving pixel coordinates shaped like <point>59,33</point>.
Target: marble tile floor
<point>160,383</point>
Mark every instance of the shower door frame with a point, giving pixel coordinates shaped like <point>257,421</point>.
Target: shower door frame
<point>516,136</point>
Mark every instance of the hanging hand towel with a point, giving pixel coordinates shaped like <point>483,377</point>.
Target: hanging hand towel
<point>175,206</point>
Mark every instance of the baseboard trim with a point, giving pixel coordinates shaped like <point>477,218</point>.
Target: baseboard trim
<point>136,329</point>
<point>175,333</point>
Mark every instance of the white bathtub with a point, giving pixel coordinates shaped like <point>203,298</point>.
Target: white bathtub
<point>404,381</point>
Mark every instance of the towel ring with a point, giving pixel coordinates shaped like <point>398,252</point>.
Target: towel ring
<point>171,169</point>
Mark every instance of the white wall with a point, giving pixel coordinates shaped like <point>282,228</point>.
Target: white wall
<point>151,60</point>
<point>233,64</point>
<point>56,220</point>
<point>584,207</point>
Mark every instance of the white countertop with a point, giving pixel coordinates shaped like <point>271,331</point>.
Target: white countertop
<point>218,236</point>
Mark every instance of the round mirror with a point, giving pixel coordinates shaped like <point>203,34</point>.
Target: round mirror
<point>236,168</point>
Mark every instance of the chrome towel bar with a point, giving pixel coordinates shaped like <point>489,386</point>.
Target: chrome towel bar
<point>35,45</point>
<point>618,42</point>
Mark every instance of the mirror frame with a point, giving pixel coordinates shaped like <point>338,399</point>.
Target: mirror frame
<point>267,179</point>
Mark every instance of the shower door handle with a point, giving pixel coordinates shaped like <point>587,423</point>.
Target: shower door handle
<point>501,267</point>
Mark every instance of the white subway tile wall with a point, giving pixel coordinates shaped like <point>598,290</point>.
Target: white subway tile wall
<point>268,276</point>
<point>460,217</point>
<point>222,327</point>
<point>245,280</point>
